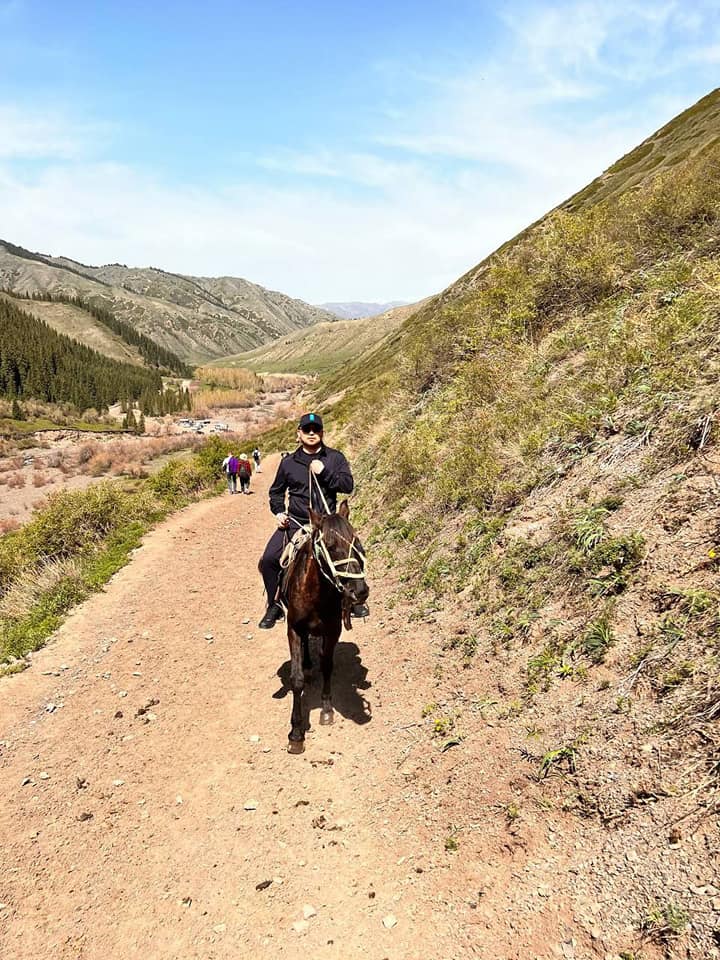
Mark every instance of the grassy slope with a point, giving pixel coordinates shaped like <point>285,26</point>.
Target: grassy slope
<point>10,427</point>
<point>323,348</point>
<point>80,325</point>
<point>688,134</point>
<point>541,480</point>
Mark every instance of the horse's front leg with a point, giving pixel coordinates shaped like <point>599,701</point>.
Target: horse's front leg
<point>327,715</point>
<point>307,661</point>
<point>296,738</point>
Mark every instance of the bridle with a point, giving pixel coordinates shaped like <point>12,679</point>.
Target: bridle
<point>332,569</point>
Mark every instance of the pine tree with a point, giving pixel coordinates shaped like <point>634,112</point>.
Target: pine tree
<point>17,410</point>
<point>38,362</point>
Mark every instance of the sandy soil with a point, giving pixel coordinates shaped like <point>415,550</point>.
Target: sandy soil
<point>132,834</point>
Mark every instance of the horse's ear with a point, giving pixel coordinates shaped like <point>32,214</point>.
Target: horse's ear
<point>344,510</point>
<point>315,519</point>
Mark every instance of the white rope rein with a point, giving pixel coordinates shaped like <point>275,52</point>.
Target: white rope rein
<point>321,551</point>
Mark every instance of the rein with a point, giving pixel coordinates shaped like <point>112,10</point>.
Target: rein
<point>321,552</point>
<point>336,576</point>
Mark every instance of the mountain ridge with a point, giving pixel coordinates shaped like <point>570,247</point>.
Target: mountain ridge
<point>198,318</point>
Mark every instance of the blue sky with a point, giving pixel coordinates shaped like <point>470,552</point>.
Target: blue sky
<point>332,151</point>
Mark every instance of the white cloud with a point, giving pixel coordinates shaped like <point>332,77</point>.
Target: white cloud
<point>448,176</point>
<point>308,243</point>
<point>29,133</point>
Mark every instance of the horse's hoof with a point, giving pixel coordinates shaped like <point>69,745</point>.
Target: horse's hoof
<point>296,746</point>
<point>327,717</point>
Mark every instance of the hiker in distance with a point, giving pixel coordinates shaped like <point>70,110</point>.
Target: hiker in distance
<point>231,466</point>
<point>332,473</point>
<point>256,458</point>
<point>244,473</point>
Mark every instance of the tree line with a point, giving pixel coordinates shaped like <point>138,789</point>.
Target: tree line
<point>37,362</point>
<point>151,352</point>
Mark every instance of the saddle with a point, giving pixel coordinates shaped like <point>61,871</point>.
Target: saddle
<point>298,539</point>
<point>287,557</point>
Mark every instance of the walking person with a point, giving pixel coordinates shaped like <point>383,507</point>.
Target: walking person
<point>256,458</point>
<point>244,473</point>
<point>332,473</point>
<point>230,467</point>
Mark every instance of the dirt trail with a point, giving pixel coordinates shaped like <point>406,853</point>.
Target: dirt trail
<point>131,836</point>
<point>131,750</point>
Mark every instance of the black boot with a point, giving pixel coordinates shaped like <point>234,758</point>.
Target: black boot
<point>273,613</point>
<point>360,610</point>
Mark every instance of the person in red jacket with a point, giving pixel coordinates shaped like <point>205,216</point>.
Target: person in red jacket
<point>244,473</point>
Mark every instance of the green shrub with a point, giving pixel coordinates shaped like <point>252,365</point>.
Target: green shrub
<point>179,479</point>
<point>589,528</point>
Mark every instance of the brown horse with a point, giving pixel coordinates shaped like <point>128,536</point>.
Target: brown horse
<point>326,578</point>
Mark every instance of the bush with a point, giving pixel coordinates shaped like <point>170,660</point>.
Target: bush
<point>179,479</point>
<point>72,524</point>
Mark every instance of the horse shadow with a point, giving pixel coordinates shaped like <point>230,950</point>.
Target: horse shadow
<point>349,679</point>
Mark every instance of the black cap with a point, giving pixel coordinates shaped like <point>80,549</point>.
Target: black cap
<point>311,420</point>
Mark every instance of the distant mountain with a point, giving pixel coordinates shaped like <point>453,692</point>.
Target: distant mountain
<point>198,318</point>
<point>354,310</point>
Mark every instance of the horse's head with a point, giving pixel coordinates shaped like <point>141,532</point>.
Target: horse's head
<point>339,553</point>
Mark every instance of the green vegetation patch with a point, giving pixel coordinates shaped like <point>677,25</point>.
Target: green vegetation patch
<point>79,540</point>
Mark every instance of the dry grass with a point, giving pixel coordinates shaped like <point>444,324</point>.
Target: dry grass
<point>278,382</point>
<point>229,387</point>
<point>56,459</point>
<point>63,414</point>
<point>211,399</point>
<point>230,378</point>
<point>27,590</point>
<point>126,458</point>
<point>16,481</point>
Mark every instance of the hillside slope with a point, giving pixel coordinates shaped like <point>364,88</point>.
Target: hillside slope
<point>80,325</point>
<point>541,476</point>
<point>324,347</point>
<point>196,317</point>
<point>38,363</point>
